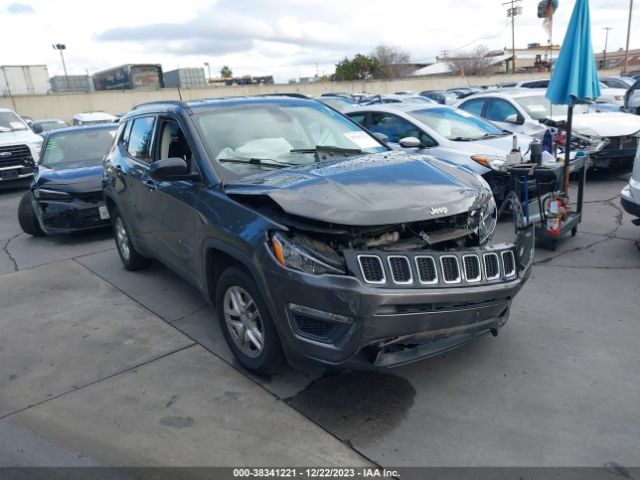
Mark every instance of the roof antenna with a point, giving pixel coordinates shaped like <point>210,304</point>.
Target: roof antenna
<point>179,94</point>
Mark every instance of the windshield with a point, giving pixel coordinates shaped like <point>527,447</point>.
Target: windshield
<point>456,125</point>
<point>77,149</point>
<point>338,103</point>
<point>538,107</point>
<point>52,125</point>
<point>10,122</point>
<point>246,138</point>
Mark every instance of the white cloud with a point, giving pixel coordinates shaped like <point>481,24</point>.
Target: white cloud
<point>284,37</point>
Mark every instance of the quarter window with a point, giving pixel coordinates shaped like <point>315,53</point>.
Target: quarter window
<point>140,139</point>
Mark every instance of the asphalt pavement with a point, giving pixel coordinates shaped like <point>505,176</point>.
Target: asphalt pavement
<point>100,366</point>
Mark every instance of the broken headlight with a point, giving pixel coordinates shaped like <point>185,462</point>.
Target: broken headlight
<point>494,162</point>
<point>293,255</point>
<point>483,216</point>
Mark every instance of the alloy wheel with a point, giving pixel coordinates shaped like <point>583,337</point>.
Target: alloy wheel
<point>243,321</point>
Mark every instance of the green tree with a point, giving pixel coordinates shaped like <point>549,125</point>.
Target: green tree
<point>225,72</point>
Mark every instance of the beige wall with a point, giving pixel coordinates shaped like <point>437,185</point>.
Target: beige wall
<point>65,106</point>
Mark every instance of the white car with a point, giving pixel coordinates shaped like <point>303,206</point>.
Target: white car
<point>446,133</point>
<point>91,118</point>
<point>608,94</point>
<point>630,195</point>
<point>613,136</point>
<point>19,147</point>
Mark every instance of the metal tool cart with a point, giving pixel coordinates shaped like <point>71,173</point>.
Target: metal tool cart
<point>556,215</point>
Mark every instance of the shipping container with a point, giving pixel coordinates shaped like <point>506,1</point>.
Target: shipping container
<point>71,83</point>
<point>24,80</point>
<point>128,77</point>
<point>185,78</point>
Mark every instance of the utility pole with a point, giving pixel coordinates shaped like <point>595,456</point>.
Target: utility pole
<point>512,11</point>
<point>61,47</point>
<point>606,41</point>
<point>206,64</point>
<point>626,53</point>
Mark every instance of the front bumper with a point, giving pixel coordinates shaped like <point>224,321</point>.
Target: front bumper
<point>619,158</point>
<point>56,217</point>
<point>341,320</point>
<point>630,198</point>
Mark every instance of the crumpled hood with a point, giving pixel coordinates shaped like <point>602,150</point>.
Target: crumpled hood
<point>605,124</point>
<point>86,179</point>
<point>375,189</point>
<point>500,146</point>
<point>19,136</point>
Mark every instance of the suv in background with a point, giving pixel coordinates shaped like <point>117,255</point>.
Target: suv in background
<point>314,240</point>
<point>19,148</point>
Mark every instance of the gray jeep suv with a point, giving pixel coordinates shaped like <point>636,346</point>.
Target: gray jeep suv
<point>312,238</point>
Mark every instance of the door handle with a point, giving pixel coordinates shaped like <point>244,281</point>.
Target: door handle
<point>149,184</point>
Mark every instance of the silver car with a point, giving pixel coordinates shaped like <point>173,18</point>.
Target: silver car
<point>630,195</point>
<point>447,133</point>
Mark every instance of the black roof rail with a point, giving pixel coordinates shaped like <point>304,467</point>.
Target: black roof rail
<point>179,103</point>
<point>294,95</point>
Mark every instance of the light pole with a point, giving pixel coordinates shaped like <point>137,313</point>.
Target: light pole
<point>61,47</point>
<point>512,12</point>
<point>208,70</point>
<point>626,52</point>
<point>606,41</point>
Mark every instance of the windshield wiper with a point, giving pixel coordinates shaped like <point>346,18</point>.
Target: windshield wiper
<point>464,139</point>
<point>263,162</point>
<point>324,151</point>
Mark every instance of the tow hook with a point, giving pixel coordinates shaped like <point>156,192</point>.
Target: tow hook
<point>494,332</point>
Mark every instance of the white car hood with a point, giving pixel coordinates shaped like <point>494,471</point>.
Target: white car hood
<point>19,136</point>
<point>605,124</point>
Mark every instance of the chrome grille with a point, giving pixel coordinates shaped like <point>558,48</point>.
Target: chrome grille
<point>491,266</point>
<point>372,269</point>
<point>509,263</point>
<point>427,272</point>
<point>472,271</point>
<point>450,269</point>
<point>400,270</point>
<point>15,155</point>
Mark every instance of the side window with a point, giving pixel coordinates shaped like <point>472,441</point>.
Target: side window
<point>358,117</point>
<point>123,139</point>
<point>172,142</point>
<point>474,106</point>
<point>139,144</point>
<point>393,127</point>
<point>499,110</point>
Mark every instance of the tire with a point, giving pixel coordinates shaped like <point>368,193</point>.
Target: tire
<point>27,216</point>
<point>235,283</point>
<point>130,257</point>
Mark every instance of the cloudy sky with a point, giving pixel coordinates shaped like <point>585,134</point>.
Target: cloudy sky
<point>285,37</point>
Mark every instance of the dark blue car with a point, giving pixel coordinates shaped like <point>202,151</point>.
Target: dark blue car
<point>66,191</point>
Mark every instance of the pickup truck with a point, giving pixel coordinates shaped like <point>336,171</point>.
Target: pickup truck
<point>19,148</point>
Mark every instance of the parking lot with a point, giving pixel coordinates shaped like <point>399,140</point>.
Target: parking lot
<point>101,366</point>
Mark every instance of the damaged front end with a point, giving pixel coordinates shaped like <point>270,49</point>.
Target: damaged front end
<point>387,295</point>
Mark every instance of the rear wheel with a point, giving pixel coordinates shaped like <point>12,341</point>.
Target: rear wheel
<point>246,322</point>
<point>131,258</point>
<point>27,216</point>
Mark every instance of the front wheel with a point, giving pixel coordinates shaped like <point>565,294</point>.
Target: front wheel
<point>131,258</point>
<point>27,216</point>
<point>246,323</point>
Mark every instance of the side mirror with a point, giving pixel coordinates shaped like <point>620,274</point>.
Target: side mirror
<point>381,136</point>
<point>515,119</point>
<point>37,128</point>
<point>410,142</point>
<point>170,169</point>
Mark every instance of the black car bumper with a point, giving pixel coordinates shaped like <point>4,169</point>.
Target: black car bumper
<point>617,159</point>
<point>340,320</point>
<point>75,215</point>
